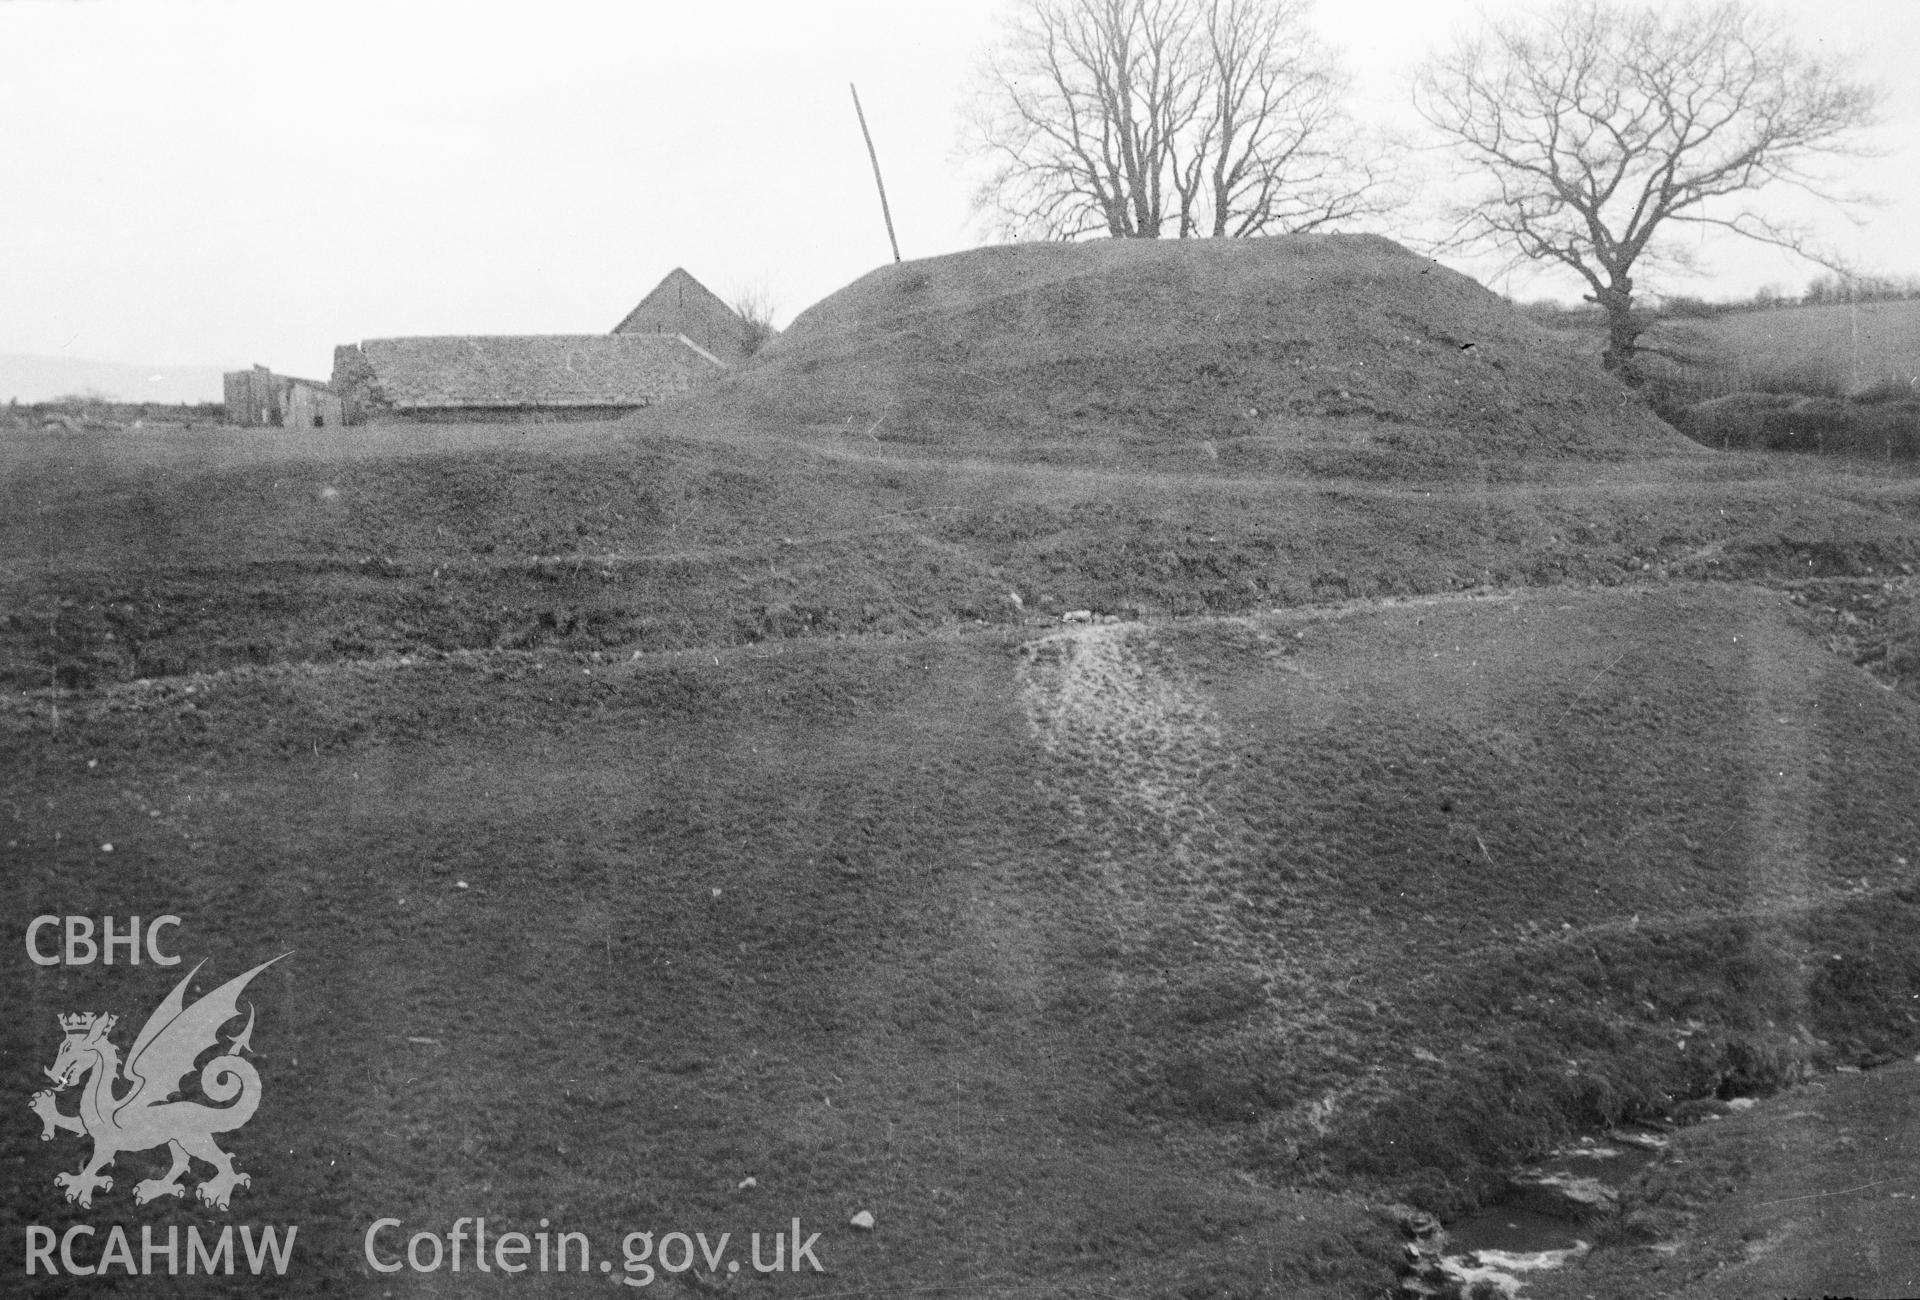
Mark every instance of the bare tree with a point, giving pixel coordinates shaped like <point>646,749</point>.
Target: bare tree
<point>1135,118</point>
<point>1603,128</point>
<point>755,307</point>
<point>1280,152</point>
<point>1082,104</point>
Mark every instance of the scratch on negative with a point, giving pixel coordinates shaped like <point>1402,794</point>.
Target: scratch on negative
<point>1814,1196</point>
<point>1596,679</point>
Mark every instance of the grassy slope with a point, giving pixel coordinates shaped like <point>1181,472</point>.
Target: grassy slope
<point>1135,960</point>
<point>258,550</point>
<point>1029,1002</point>
<point>885,1005</point>
<point>1474,828</point>
<point>1809,1194</point>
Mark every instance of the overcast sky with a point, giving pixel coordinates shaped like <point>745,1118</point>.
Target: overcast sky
<point>235,181</point>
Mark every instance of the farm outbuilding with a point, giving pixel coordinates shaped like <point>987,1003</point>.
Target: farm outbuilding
<point>516,377</point>
<point>258,398</point>
<point>682,305</point>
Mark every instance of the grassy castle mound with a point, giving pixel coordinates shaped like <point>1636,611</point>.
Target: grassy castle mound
<point>1317,353</point>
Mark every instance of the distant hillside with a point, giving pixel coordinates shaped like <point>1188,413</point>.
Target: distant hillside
<point>29,378</point>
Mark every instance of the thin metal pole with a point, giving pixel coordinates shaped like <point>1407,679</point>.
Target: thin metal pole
<point>879,184</point>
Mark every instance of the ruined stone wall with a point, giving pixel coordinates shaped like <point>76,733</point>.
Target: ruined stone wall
<point>357,385</point>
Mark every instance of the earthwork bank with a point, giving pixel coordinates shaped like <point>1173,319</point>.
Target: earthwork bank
<point>1129,762</point>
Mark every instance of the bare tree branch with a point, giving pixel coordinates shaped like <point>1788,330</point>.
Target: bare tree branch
<point>755,307</point>
<point>1601,127</point>
<point>1138,118</point>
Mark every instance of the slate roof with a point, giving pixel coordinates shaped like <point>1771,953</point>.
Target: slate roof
<point>535,370</point>
<point>679,294</point>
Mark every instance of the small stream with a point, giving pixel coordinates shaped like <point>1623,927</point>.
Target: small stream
<point>1544,1219</point>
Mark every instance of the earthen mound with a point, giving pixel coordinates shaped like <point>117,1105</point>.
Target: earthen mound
<point>1343,353</point>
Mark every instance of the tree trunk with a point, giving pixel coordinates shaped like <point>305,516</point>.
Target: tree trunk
<point>1623,328</point>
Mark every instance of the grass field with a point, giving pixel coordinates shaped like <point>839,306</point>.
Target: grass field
<point>1835,349</point>
<point>658,806</point>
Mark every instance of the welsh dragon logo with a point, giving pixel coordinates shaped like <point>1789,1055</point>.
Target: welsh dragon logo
<point>145,1115</point>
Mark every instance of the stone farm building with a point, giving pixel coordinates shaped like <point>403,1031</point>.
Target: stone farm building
<point>258,398</point>
<point>682,305</point>
<point>509,377</point>
<point>680,336</point>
